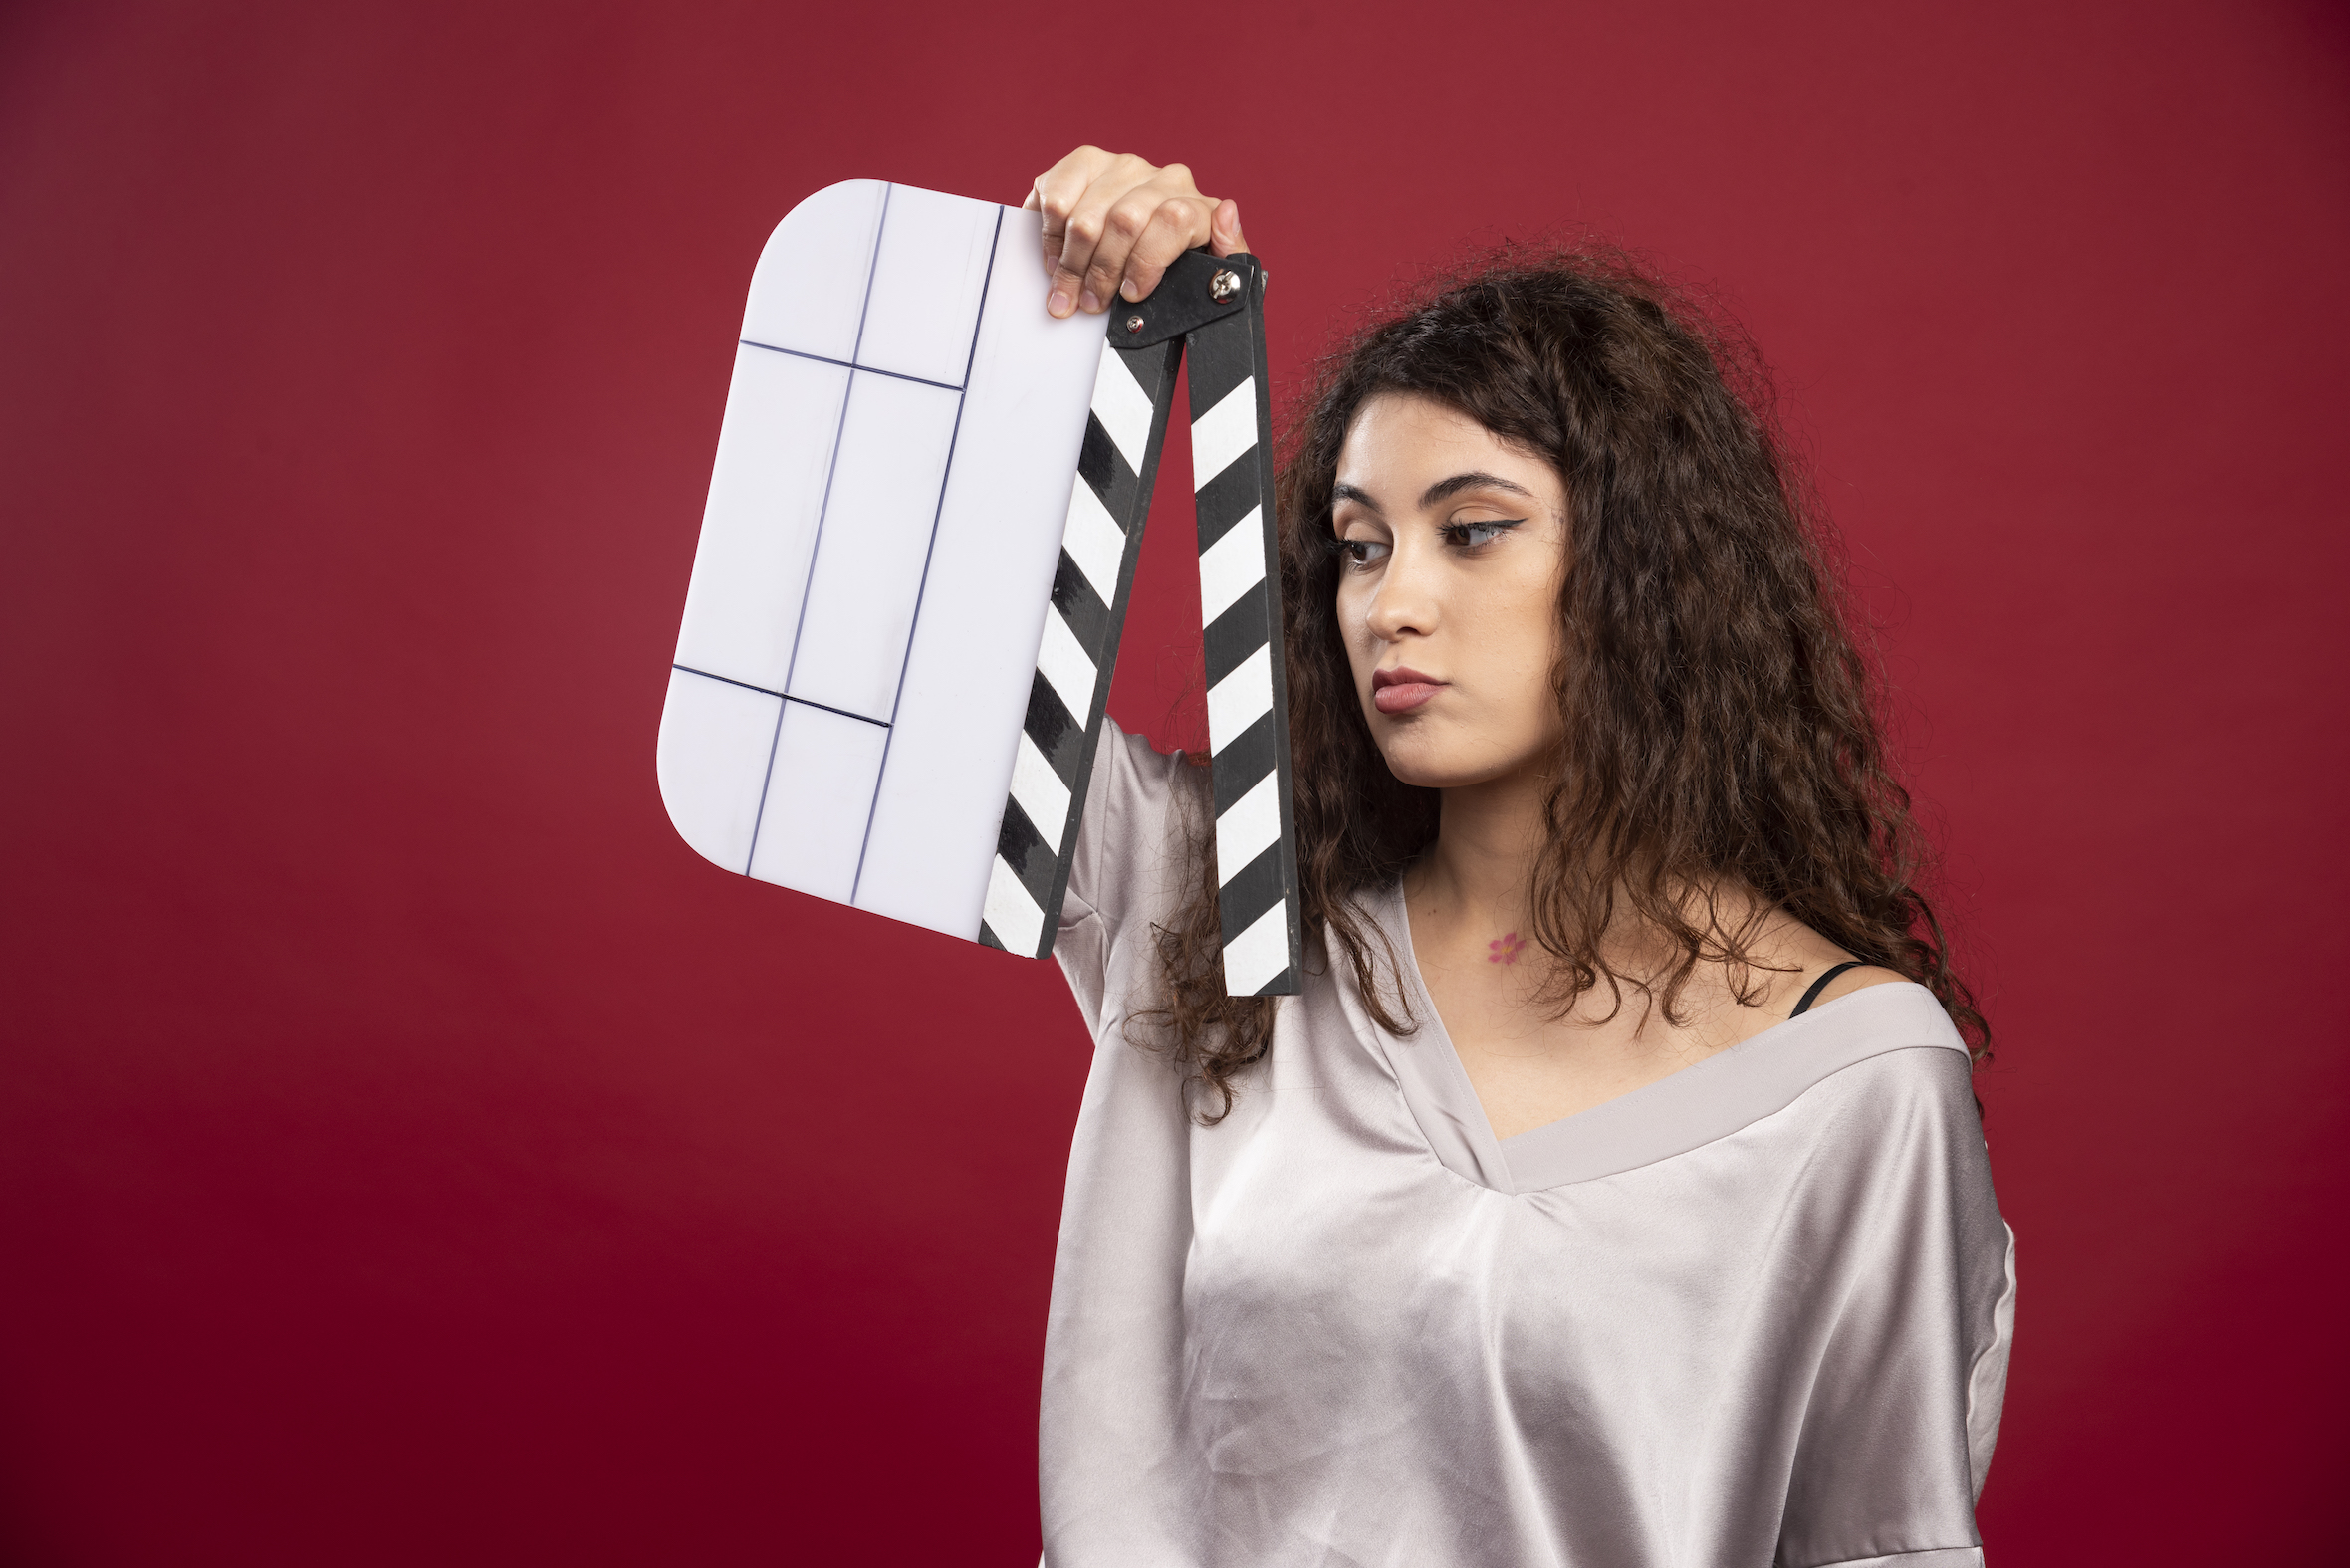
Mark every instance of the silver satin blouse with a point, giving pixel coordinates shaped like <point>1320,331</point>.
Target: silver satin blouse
<point>1755,1313</point>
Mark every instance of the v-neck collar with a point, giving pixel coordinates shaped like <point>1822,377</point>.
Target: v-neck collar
<point>1684,1110</point>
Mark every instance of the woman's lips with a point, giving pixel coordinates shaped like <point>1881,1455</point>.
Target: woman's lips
<point>1402,690</point>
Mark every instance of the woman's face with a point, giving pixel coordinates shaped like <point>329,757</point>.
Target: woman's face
<point>1453,554</point>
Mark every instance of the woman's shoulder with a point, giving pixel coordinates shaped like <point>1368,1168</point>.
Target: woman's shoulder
<point>1886,1053</point>
<point>1131,828</point>
<point>1880,1053</point>
<point>1136,789</point>
<point>1127,763</point>
<point>1871,1020</point>
<point>1862,978</point>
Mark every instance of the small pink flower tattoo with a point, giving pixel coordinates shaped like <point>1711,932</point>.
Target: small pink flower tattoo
<point>1505,951</point>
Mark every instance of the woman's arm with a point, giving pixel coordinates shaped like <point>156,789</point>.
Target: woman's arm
<point>1113,222</point>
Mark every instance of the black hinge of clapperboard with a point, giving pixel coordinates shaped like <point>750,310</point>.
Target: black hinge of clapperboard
<point>1214,307</point>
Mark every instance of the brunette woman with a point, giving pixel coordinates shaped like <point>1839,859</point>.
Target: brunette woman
<point>1614,1192</point>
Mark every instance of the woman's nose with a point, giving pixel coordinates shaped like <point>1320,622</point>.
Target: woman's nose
<point>1404,605</point>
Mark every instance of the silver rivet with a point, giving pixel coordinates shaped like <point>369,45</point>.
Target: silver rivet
<point>1224,286</point>
<point>1133,324</point>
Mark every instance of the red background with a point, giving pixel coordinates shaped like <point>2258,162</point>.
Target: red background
<point>409,1151</point>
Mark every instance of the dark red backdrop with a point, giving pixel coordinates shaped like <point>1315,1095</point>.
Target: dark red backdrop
<point>410,1152</point>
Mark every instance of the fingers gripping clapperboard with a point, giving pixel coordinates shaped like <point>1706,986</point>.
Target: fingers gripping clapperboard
<point>922,529</point>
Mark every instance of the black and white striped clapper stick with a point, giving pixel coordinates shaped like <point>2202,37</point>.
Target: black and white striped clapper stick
<point>1215,306</point>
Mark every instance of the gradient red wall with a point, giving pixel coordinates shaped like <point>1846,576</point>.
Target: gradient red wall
<point>410,1152</point>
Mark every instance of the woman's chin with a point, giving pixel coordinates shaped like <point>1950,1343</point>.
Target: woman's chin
<point>1424,762</point>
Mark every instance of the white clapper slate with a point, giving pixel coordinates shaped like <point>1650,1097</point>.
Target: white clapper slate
<point>922,530</point>
<point>887,511</point>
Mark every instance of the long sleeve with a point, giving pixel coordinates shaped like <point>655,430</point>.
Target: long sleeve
<point>1110,1413</point>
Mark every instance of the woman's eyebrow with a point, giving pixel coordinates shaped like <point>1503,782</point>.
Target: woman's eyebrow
<point>1360,496</point>
<point>1446,489</point>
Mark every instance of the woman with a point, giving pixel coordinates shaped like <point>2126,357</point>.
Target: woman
<point>1613,1194</point>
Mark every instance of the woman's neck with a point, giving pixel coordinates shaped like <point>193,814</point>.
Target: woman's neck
<point>1472,885</point>
<point>1487,835</point>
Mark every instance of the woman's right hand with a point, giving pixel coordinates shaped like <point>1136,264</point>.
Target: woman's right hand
<point>1113,223</point>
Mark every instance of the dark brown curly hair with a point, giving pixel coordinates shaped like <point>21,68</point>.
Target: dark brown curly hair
<point>1720,721</point>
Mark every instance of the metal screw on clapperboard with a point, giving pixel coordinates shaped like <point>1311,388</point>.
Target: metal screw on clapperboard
<point>1212,308</point>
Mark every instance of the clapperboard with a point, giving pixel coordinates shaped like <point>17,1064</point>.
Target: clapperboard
<point>921,533</point>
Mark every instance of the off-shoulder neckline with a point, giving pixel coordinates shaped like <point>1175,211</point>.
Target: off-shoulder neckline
<point>1686,1109</point>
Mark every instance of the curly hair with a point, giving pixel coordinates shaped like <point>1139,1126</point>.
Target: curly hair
<point>1721,725</point>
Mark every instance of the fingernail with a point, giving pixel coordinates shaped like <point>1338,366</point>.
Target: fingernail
<point>1088,300</point>
<point>1059,304</point>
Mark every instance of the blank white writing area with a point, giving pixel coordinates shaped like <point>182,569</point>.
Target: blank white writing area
<point>886,508</point>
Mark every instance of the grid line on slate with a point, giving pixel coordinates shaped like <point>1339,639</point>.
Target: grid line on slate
<point>895,375</point>
<point>831,464</point>
<point>922,585</point>
<point>727,680</point>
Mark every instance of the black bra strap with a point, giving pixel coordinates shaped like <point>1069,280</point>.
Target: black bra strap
<point>1822,984</point>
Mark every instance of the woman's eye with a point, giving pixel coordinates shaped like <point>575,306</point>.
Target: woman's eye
<point>1362,552</point>
<point>1471,535</point>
